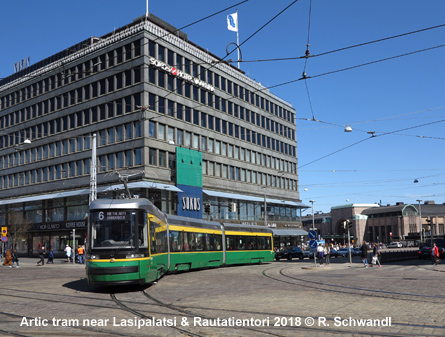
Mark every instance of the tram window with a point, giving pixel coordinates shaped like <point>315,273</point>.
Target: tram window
<point>241,242</point>
<point>214,242</point>
<point>176,241</point>
<point>200,241</point>
<point>143,236</point>
<point>251,243</point>
<point>261,242</point>
<point>186,242</point>
<point>161,240</point>
<point>230,243</point>
<point>268,243</point>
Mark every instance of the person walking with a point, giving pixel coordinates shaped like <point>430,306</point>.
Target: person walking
<point>41,256</point>
<point>50,257</point>
<point>80,252</point>
<point>364,254</point>
<point>15,258</point>
<point>320,253</point>
<point>375,255</point>
<point>327,253</point>
<point>434,254</point>
<point>68,253</point>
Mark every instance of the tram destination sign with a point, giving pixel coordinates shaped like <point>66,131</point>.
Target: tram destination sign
<point>113,215</point>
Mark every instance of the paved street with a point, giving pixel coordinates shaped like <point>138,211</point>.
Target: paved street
<point>286,298</point>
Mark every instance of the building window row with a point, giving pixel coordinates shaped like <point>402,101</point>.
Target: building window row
<point>251,211</point>
<point>108,136</point>
<point>182,63</point>
<point>206,144</point>
<point>231,172</point>
<point>70,75</point>
<point>78,168</point>
<point>80,95</point>
<point>185,113</point>
<point>77,119</point>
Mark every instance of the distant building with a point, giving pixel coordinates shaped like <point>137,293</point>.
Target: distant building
<point>377,223</point>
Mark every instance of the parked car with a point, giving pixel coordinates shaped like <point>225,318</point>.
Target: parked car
<point>394,244</point>
<point>343,252</point>
<point>358,251</point>
<point>334,253</point>
<point>289,253</point>
<point>425,253</point>
<point>307,254</point>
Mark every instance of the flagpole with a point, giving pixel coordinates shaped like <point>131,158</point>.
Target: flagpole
<point>237,35</point>
<point>146,9</point>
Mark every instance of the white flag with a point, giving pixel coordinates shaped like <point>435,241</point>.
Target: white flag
<point>232,22</point>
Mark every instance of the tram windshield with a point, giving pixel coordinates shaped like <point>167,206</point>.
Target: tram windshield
<point>118,228</point>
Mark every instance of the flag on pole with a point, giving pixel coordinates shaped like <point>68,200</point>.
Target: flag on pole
<point>232,22</point>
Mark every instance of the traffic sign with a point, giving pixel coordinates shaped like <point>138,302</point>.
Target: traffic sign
<point>312,235</point>
<point>4,231</point>
<point>313,246</point>
<point>4,238</point>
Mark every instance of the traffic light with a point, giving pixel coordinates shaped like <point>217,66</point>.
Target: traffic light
<point>207,208</point>
<point>232,207</point>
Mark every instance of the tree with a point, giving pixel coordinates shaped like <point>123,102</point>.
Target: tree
<point>18,226</point>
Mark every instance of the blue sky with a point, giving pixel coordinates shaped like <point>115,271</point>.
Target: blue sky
<point>401,99</point>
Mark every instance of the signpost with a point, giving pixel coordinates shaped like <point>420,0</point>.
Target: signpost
<point>313,246</point>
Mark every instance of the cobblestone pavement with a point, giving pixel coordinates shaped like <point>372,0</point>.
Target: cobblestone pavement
<point>286,298</point>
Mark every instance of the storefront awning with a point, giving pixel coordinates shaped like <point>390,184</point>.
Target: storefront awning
<point>138,184</point>
<point>289,232</point>
<point>252,198</point>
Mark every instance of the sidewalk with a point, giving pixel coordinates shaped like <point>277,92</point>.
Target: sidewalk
<point>30,262</point>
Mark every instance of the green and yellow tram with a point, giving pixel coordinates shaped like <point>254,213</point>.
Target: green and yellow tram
<point>130,241</point>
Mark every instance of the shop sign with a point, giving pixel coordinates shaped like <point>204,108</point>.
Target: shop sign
<point>48,226</point>
<point>78,224</point>
<point>180,74</point>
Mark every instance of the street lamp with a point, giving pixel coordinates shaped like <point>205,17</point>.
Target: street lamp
<point>313,221</point>
<point>313,227</point>
<point>420,221</point>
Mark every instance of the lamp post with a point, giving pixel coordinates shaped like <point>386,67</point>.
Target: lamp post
<point>93,177</point>
<point>313,227</point>
<point>420,221</point>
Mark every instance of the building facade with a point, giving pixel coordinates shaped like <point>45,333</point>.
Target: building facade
<point>410,223</point>
<point>159,105</point>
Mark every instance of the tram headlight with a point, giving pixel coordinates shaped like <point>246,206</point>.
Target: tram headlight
<point>132,256</point>
<point>92,257</point>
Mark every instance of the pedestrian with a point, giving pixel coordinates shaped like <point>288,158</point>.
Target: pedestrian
<point>41,262</point>
<point>68,253</point>
<point>376,254</point>
<point>50,257</point>
<point>15,258</point>
<point>327,253</point>
<point>320,253</point>
<point>8,258</point>
<point>434,254</point>
<point>80,252</point>
<point>364,254</point>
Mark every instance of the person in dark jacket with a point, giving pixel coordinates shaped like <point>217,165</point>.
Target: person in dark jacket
<point>50,257</point>
<point>41,256</point>
<point>15,258</point>
<point>364,255</point>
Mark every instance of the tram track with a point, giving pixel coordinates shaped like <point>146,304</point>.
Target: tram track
<point>323,286</point>
<point>360,292</point>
